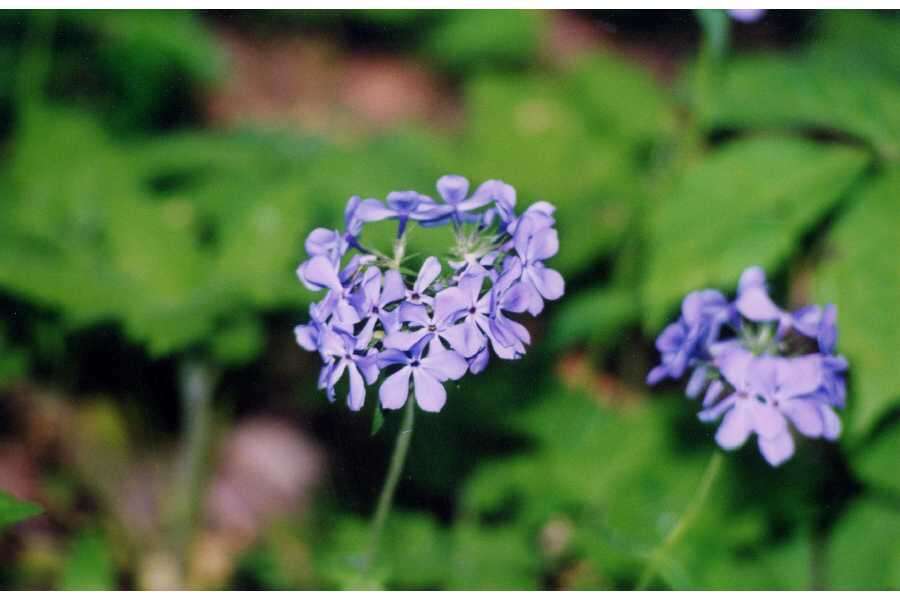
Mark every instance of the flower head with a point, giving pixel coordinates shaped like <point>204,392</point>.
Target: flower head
<point>422,327</point>
<point>765,371</point>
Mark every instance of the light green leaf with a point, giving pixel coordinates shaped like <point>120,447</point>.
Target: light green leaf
<point>13,510</point>
<point>860,276</point>
<point>461,41</point>
<point>88,565</point>
<point>809,92</point>
<point>747,204</point>
<point>864,552</point>
<point>876,461</point>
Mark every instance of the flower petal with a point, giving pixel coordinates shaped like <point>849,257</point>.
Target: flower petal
<point>805,416</point>
<point>448,304</point>
<point>371,210</point>
<point>465,338</point>
<point>445,365</point>
<point>778,449</point>
<point>404,340</point>
<point>430,394</point>
<point>393,290</point>
<point>395,389</point>
<point>453,188</point>
<point>543,245</point>
<point>430,270</point>
<point>735,429</point>
<point>548,282</point>
<point>754,303</point>
<point>357,395</point>
<point>319,273</point>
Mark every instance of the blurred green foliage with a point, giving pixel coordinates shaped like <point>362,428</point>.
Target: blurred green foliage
<point>13,510</point>
<point>120,212</point>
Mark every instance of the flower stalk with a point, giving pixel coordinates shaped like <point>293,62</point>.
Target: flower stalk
<point>684,523</point>
<point>386,499</point>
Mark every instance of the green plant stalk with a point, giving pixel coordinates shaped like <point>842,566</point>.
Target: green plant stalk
<point>385,500</point>
<point>684,523</point>
<point>196,383</point>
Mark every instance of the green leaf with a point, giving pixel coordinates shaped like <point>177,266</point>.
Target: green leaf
<point>461,42</point>
<point>747,204</point>
<point>864,552</point>
<point>88,565</point>
<point>812,91</point>
<point>585,458</point>
<point>412,554</point>
<point>859,275</point>
<point>876,461</point>
<point>13,510</point>
<point>579,141</point>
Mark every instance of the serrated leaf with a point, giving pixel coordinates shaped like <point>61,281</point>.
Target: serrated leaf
<point>860,276</point>
<point>13,510</point>
<point>746,204</point>
<point>811,91</point>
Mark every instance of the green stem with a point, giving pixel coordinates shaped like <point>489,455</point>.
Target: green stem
<point>390,484</point>
<point>684,523</point>
<point>196,383</point>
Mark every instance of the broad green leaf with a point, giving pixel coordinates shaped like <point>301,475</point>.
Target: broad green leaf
<point>535,134</point>
<point>876,461</point>
<point>746,204</point>
<point>412,554</point>
<point>864,551</point>
<point>460,42</point>
<point>13,510</point>
<point>811,91</point>
<point>859,274</point>
<point>89,564</point>
<point>611,474</point>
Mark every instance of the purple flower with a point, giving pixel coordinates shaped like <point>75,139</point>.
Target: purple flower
<point>402,206</point>
<point>325,242</point>
<point>346,353</point>
<point>376,294</point>
<point>434,328</point>
<point>759,379</point>
<point>430,271</point>
<point>753,301</point>
<point>769,392</point>
<point>746,15</point>
<point>428,374</point>
<point>688,339</point>
<point>818,323</point>
<point>503,196</point>
<point>319,273</point>
<point>534,242</point>
<point>453,190</point>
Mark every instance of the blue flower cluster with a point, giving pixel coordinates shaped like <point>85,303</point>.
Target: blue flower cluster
<point>759,368</point>
<point>441,322</point>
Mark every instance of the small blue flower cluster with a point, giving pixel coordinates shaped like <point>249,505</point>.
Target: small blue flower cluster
<point>759,367</point>
<point>439,323</point>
